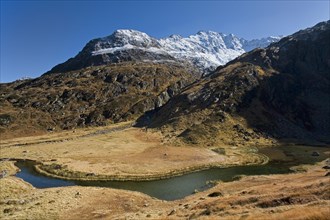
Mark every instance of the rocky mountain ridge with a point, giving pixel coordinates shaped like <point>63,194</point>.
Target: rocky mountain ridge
<point>206,50</point>
<point>282,91</point>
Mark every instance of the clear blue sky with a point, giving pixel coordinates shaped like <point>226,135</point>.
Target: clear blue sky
<point>37,35</point>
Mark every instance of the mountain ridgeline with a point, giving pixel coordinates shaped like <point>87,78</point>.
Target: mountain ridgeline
<point>206,50</point>
<point>280,92</point>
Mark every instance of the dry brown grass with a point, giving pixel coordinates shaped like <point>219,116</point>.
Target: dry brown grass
<point>9,167</point>
<point>131,152</point>
<point>296,196</point>
<point>293,196</point>
<point>303,196</point>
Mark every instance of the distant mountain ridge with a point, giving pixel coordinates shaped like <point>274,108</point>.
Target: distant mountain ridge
<point>206,49</point>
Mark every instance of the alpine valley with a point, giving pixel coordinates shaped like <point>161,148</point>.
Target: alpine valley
<point>115,78</point>
<point>210,126</point>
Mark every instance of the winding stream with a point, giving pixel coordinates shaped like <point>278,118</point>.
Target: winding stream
<point>281,159</point>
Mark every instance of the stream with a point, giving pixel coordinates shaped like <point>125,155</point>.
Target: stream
<point>281,159</point>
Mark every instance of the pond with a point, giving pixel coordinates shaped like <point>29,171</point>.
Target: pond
<point>281,159</point>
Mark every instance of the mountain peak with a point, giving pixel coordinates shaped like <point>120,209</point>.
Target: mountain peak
<point>130,33</point>
<point>203,32</point>
<point>206,49</point>
<point>127,37</point>
<point>175,37</point>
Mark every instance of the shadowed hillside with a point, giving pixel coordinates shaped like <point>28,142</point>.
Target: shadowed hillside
<point>281,92</point>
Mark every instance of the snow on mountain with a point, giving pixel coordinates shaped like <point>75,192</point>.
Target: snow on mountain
<point>259,43</point>
<point>206,49</point>
<point>126,40</point>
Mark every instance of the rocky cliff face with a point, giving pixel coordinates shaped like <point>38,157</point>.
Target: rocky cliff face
<point>92,96</point>
<point>282,91</point>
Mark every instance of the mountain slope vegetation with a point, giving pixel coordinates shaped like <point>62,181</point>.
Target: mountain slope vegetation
<point>281,92</point>
<point>93,96</point>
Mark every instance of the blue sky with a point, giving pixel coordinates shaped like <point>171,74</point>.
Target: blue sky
<point>37,35</point>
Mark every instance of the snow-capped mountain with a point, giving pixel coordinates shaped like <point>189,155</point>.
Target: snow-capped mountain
<point>126,40</point>
<point>206,49</point>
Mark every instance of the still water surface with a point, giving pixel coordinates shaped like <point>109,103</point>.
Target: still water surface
<point>281,159</point>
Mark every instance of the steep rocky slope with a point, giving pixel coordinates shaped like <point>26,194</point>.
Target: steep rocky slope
<point>282,91</point>
<point>89,97</point>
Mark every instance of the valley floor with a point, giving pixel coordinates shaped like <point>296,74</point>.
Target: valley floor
<point>291,196</point>
<point>119,150</point>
